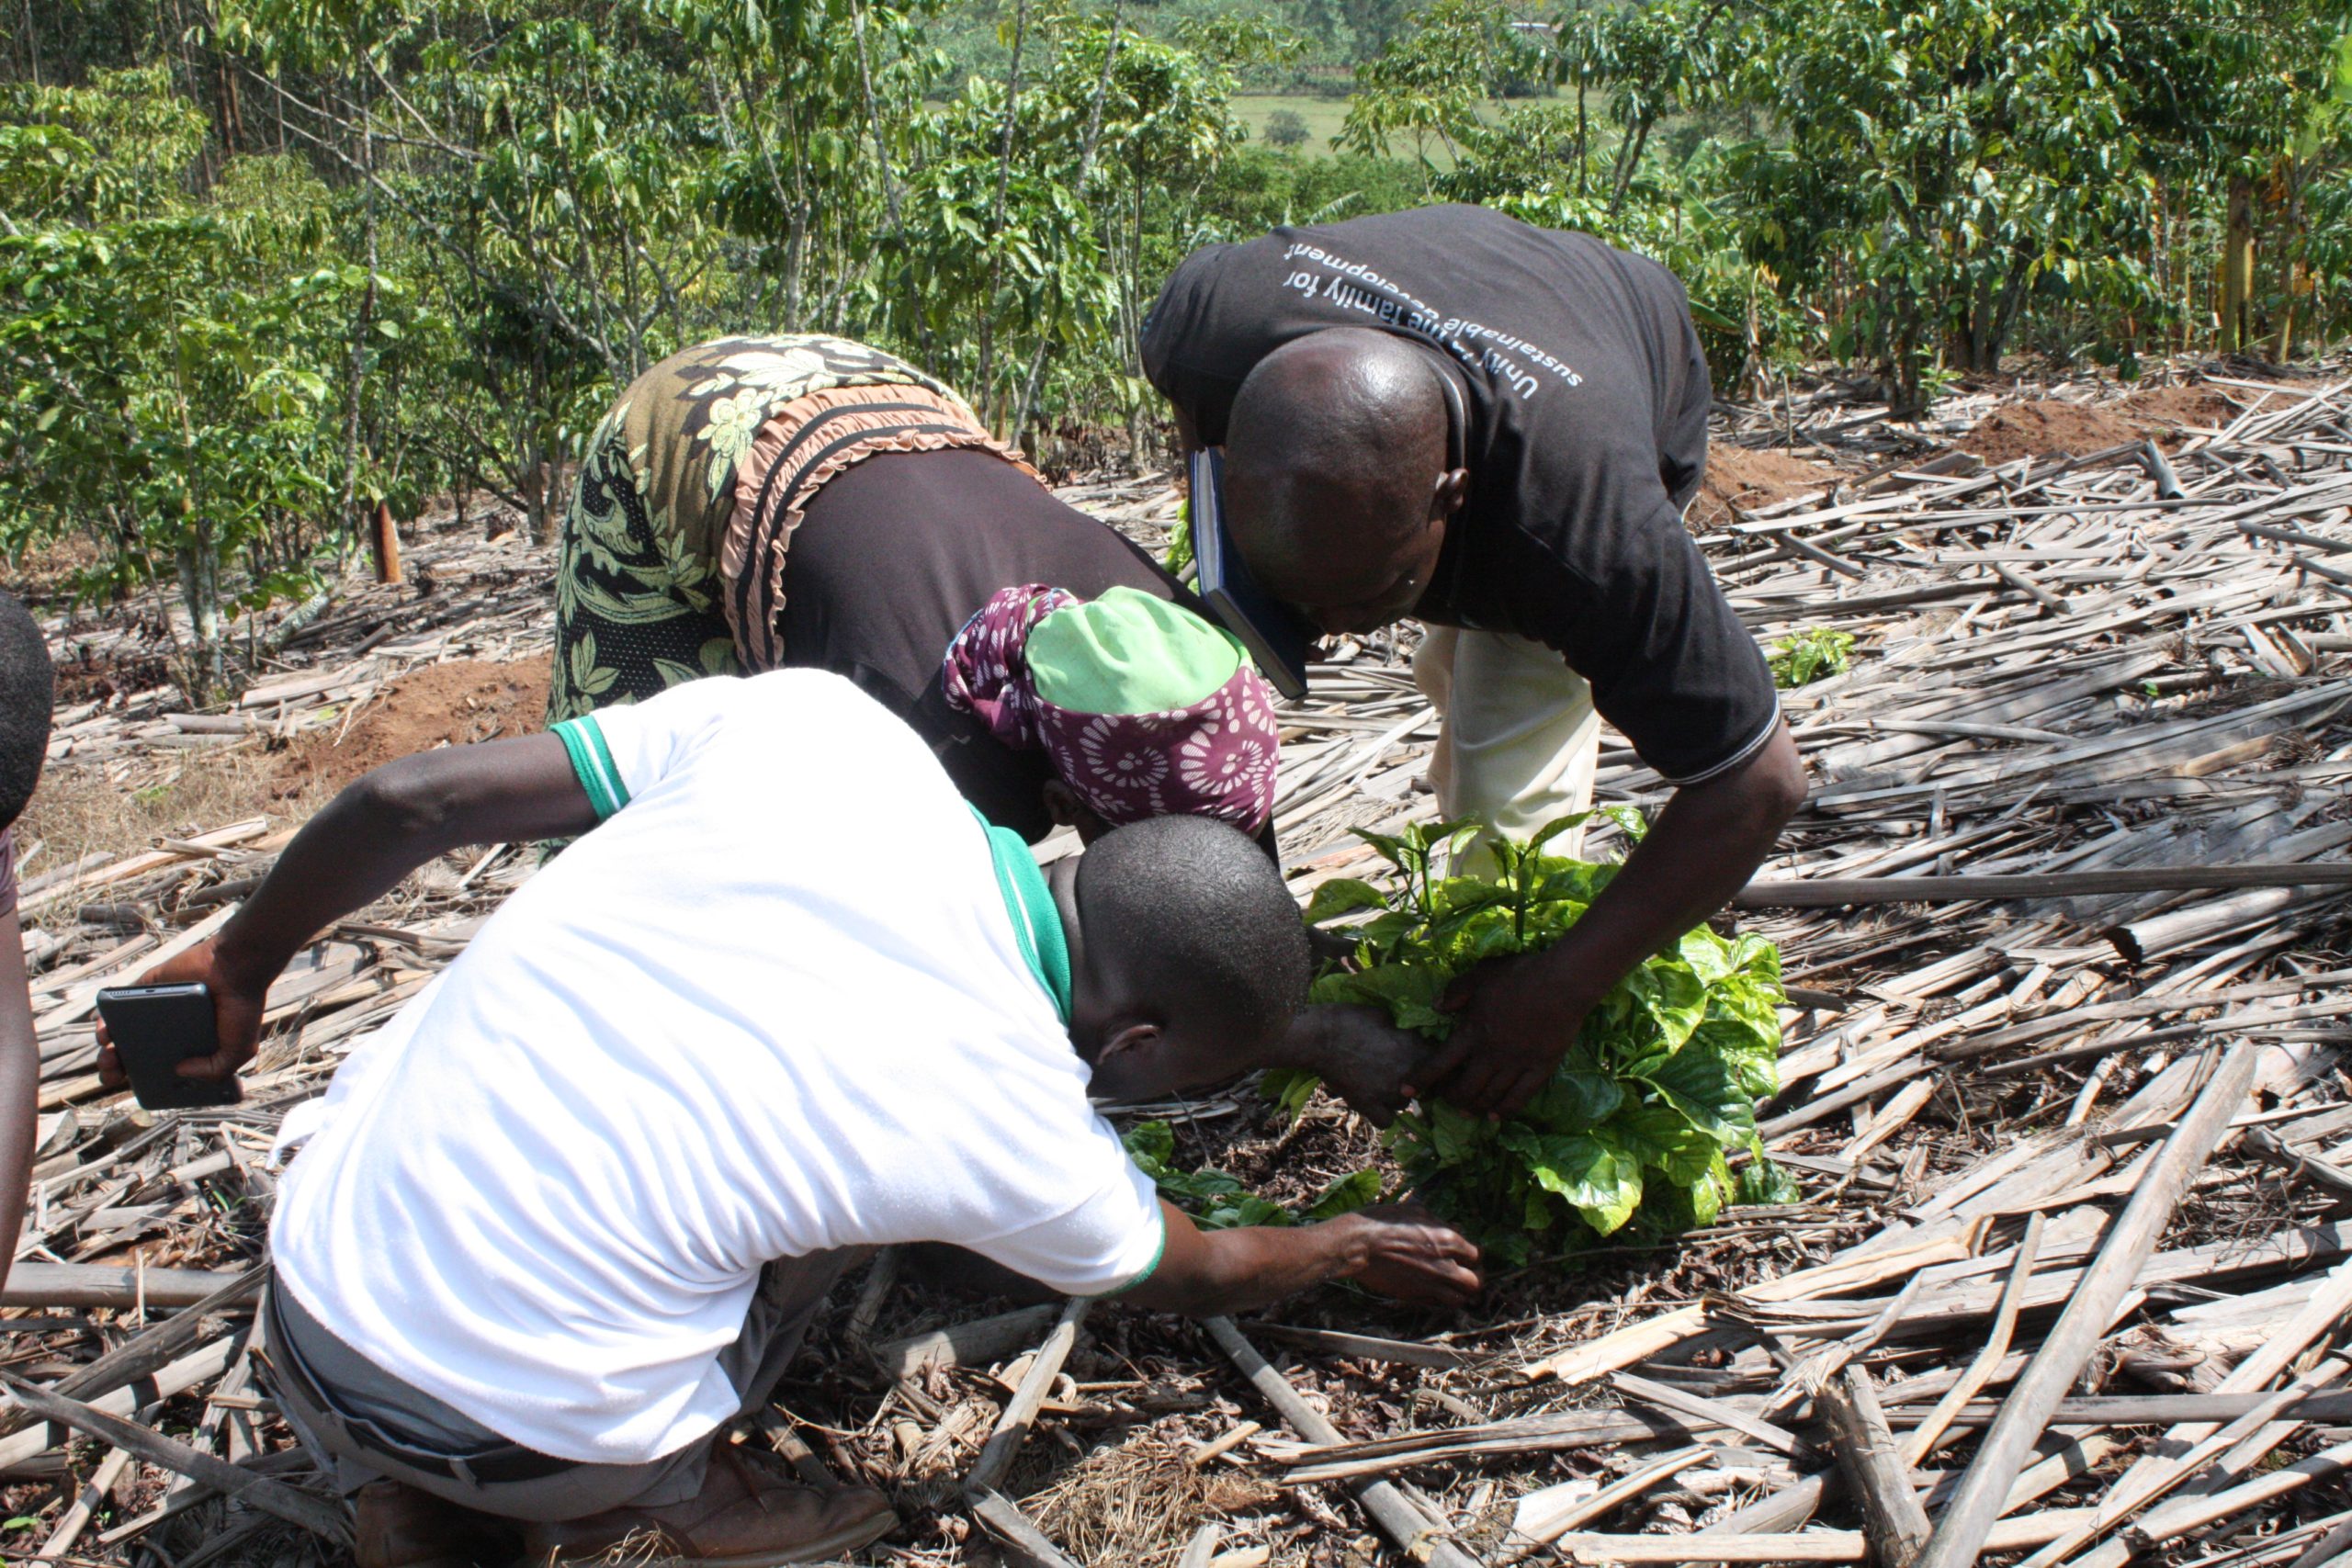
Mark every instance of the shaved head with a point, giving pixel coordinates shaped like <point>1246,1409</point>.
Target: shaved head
<point>1335,446</point>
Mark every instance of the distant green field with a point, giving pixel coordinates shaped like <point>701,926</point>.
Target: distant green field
<point>1323,117</point>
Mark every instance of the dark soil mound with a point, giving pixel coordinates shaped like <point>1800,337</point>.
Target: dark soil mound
<point>1737,475</point>
<point>448,705</point>
<point>2048,427</point>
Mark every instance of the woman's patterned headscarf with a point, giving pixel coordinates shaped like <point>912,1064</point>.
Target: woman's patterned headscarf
<point>1146,709</point>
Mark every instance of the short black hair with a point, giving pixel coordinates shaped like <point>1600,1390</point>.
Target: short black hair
<point>28,689</point>
<point>1191,912</point>
<point>1344,401</point>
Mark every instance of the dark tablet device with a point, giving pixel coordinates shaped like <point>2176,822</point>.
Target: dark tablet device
<point>1279,638</point>
<point>155,1028</point>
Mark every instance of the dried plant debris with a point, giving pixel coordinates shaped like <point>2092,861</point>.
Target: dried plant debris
<point>2081,689</point>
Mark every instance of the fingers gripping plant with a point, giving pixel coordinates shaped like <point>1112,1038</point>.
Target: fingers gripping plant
<point>1658,1089</point>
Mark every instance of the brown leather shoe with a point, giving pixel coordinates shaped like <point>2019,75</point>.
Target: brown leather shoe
<point>400,1527</point>
<point>748,1514</point>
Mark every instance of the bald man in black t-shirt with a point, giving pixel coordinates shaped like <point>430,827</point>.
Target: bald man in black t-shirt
<point>1450,415</point>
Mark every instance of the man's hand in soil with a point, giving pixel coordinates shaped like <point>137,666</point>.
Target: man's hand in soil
<point>237,1001</point>
<point>1400,1251</point>
<point>1361,1056</point>
<point>1410,1254</point>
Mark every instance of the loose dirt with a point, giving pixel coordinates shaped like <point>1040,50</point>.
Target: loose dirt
<point>2166,413</point>
<point>448,704</point>
<point>43,573</point>
<point>1748,479</point>
<point>2054,427</point>
<point>2047,428</point>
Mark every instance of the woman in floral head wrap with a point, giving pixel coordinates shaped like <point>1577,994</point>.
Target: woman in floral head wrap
<point>756,502</point>
<point>1146,709</point>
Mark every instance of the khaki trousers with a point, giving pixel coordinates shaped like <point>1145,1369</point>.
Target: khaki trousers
<point>1519,740</point>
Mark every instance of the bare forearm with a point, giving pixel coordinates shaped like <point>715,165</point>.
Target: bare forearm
<point>1240,1270</point>
<point>19,1088</point>
<point>346,857</point>
<point>386,824</point>
<point>376,831</point>
<point>1703,848</point>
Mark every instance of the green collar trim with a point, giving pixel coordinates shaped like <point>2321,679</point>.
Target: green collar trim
<point>1037,921</point>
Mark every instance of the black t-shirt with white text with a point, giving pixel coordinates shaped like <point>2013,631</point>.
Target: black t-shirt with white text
<point>1586,396</point>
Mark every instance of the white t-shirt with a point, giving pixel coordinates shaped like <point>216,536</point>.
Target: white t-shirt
<point>776,1004</point>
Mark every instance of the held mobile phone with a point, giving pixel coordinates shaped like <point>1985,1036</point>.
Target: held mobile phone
<point>155,1028</point>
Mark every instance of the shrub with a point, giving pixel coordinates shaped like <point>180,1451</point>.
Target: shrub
<point>1646,1107</point>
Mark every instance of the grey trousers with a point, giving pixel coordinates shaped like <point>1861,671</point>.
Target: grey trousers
<point>365,1424</point>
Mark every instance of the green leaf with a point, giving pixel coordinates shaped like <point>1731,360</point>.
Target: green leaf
<point>1151,1144</point>
<point>1763,1182</point>
<point>1290,1089</point>
<point>1457,1135</point>
<point>1343,895</point>
<point>1811,656</point>
<point>1247,1210</point>
<point>1346,1195</point>
<point>1665,1139</point>
<point>1600,1178</point>
<point>1703,1087</point>
<point>1559,824</point>
<point>1669,995</point>
<point>1578,1098</point>
<point>1407,991</point>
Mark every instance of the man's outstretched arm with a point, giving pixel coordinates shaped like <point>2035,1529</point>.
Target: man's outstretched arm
<point>383,825</point>
<point>1400,1250</point>
<point>1521,1015</point>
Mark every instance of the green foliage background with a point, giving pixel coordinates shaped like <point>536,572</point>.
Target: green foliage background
<point>263,263</point>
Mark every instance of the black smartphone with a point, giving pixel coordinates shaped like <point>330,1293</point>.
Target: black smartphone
<point>155,1028</point>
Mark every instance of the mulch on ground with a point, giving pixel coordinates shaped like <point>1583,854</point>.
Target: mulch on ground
<point>2057,674</point>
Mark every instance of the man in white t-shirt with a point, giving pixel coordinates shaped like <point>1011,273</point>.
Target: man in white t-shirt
<point>567,1216</point>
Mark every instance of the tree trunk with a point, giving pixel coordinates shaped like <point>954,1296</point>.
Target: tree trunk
<point>199,576</point>
<point>540,492</point>
<point>1630,159</point>
<point>347,512</point>
<point>385,541</point>
<point>2237,267</point>
<point>2292,281</point>
<point>996,210</point>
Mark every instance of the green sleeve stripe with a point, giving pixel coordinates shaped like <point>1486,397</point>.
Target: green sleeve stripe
<point>613,781</point>
<point>1148,1270</point>
<point>592,764</point>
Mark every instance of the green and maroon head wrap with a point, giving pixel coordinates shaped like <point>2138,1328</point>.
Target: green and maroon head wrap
<point>1146,709</point>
